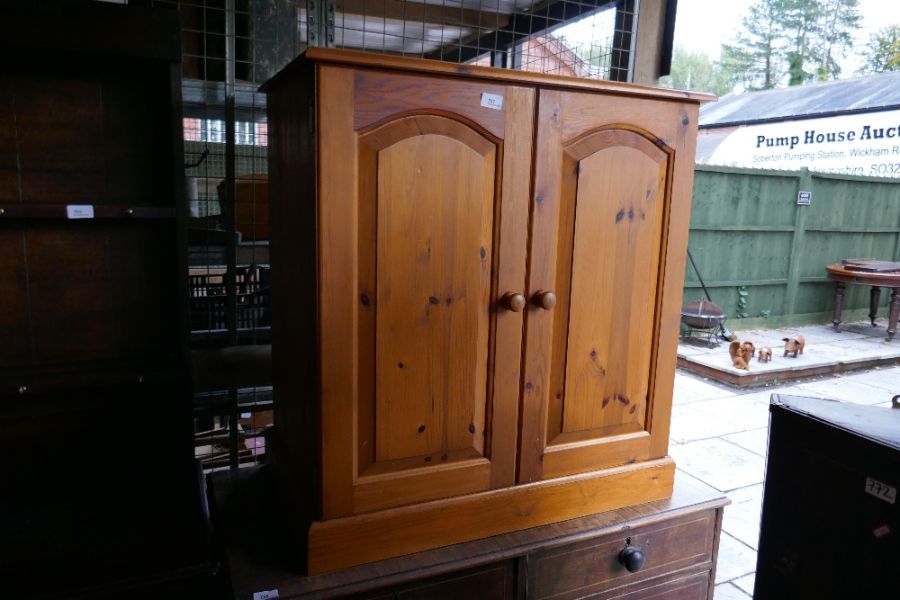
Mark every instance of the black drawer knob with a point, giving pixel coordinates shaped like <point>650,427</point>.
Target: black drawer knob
<point>632,558</point>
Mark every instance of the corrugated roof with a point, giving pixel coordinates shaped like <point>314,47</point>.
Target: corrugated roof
<point>861,94</point>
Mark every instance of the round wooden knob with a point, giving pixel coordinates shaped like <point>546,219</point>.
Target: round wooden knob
<point>545,300</point>
<point>632,558</point>
<point>513,301</point>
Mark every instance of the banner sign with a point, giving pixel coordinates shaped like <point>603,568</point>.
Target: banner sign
<point>863,144</point>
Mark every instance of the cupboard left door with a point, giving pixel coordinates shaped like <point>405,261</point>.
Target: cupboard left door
<point>423,188</point>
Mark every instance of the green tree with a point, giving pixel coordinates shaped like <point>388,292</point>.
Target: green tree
<point>798,38</point>
<point>756,58</point>
<point>882,53</point>
<point>838,20</point>
<point>800,20</point>
<point>697,71</point>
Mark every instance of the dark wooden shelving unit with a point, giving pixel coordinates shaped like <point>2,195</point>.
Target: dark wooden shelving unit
<point>101,495</point>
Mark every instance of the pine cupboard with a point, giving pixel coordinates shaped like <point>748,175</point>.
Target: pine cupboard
<point>477,278</point>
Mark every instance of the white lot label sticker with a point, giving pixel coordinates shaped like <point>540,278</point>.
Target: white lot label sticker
<point>882,491</point>
<point>80,211</point>
<point>265,595</point>
<point>494,101</point>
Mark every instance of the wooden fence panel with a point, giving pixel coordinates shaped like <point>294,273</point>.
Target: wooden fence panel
<point>763,257</point>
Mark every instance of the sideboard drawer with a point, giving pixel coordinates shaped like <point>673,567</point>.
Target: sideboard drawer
<point>587,567</point>
<point>691,587</point>
<point>494,581</point>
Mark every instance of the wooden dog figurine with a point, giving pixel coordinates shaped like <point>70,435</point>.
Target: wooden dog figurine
<point>794,345</point>
<point>740,354</point>
<point>765,354</point>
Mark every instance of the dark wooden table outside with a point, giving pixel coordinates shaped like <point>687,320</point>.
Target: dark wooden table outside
<point>873,273</point>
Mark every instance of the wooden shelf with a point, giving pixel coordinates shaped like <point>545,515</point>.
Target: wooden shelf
<point>37,210</point>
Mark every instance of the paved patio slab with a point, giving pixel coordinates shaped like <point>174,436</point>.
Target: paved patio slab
<point>719,463</point>
<point>742,516</point>
<point>729,591</point>
<point>736,559</point>
<point>755,441</point>
<point>745,583</point>
<point>856,346</point>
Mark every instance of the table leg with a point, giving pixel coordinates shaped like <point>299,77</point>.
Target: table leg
<point>838,303</point>
<point>874,299</point>
<point>894,313</point>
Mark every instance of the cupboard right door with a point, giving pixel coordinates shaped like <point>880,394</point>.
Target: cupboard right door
<point>610,211</point>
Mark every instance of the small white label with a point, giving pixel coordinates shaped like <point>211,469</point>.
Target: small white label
<point>494,101</point>
<point>80,211</point>
<point>265,595</point>
<point>882,491</point>
<point>804,198</point>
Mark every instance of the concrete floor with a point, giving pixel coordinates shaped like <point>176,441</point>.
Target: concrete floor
<point>719,436</point>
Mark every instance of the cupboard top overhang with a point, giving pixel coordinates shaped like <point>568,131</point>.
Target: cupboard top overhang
<point>351,58</point>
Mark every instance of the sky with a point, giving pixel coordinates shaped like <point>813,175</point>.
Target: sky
<point>706,24</point>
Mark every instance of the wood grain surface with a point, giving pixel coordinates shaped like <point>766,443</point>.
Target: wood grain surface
<point>619,208</point>
<point>445,416</point>
<point>341,543</point>
<point>383,96</point>
<point>244,509</point>
<point>508,76</point>
<point>604,201</point>
<point>419,360</point>
<point>339,296</point>
<point>584,568</point>
<point>435,207</point>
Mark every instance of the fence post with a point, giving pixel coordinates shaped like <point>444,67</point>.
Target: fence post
<point>897,246</point>
<point>804,183</point>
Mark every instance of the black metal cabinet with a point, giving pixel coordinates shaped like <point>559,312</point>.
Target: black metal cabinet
<point>830,518</point>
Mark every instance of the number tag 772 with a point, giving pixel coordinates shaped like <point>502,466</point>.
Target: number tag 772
<point>881,490</point>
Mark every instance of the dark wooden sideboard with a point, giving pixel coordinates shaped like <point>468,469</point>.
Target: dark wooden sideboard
<point>578,558</point>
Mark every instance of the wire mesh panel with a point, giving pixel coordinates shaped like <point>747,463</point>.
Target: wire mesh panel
<point>229,48</point>
<point>581,38</point>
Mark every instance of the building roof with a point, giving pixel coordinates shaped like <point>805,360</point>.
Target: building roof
<point>816,100</point>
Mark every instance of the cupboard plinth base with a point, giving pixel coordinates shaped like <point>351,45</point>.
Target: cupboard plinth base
<point>360,539</point>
